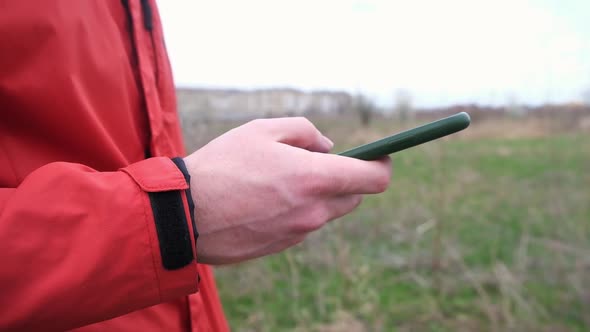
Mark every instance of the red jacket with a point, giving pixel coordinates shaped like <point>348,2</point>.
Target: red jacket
<point>96,232</point>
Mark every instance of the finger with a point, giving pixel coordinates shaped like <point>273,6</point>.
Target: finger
<point>296,131</point>
<point>325,211</point>
<point>342,205</point>
<point>338,175</point>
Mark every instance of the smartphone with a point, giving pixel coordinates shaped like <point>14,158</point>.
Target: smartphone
<point>410,138</point>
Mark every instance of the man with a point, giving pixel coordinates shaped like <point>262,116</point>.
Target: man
<point>101,225</point>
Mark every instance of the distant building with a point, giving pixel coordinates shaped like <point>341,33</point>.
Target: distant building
<point>230,104</point>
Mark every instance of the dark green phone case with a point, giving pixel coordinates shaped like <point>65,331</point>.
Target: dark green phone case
<point>410,138</point>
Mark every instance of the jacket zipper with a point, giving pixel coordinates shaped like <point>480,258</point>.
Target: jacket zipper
<point>130,30</point>
<point>148,25</point>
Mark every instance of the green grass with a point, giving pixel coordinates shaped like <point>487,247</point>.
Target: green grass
<point>474,234</point>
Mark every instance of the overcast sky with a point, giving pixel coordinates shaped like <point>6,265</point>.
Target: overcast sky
<point>442,52</point>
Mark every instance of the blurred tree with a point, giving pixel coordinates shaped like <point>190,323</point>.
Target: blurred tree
<point>365,108</point>
<point>586,96</point>
<point>513,107</point>
<point>403,105</point>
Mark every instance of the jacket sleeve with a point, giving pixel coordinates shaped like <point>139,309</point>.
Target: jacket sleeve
<point>79,246</point>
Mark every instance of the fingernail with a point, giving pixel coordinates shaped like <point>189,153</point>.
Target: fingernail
<point>329,142</point>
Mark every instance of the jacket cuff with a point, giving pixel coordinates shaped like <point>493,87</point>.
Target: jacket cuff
<point>169,221</point>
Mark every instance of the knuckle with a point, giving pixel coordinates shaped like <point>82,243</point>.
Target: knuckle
<point>303,121</point>
<point>305,124</point>
<point>382,182</point>
<point>353,202</point>
<point>310,185</point>
<point>313,221</point>
<point>257,122</point>
<point>312,182</point>
<point>314,186</point>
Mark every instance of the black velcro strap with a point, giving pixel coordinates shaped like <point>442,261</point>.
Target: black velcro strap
<point>191,205</point>
<point>173,235</point>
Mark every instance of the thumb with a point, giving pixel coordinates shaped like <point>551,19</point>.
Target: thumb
<point>298,132</point>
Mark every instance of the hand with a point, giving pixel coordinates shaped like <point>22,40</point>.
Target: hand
<point>260,188</point>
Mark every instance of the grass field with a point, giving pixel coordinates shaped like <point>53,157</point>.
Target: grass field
<point>485,231</point>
